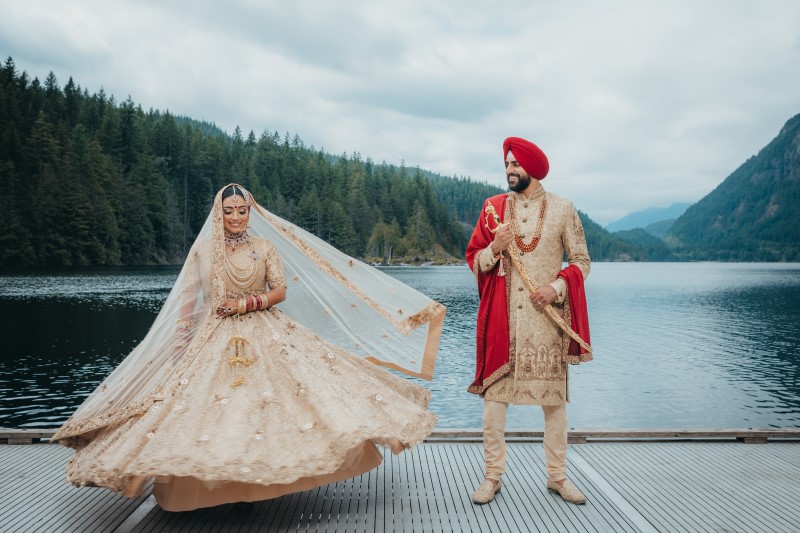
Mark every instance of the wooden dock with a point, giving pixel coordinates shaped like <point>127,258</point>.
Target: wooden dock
<point>661,481</point>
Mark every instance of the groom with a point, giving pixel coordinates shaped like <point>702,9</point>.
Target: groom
<point>522,355</point>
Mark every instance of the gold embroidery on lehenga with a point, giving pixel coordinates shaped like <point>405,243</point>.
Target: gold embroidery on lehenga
<point>238,360</point>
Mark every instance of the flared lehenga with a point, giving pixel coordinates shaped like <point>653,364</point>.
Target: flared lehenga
<point>292,413</point>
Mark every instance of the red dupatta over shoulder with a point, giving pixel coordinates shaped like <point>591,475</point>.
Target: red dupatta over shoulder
<point>492,330</point>
<point>579,314</point>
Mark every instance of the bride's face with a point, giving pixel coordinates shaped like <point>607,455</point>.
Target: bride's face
<point>235,214</point>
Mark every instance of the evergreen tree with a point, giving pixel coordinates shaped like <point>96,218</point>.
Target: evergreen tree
<point>309,212</point>
<point>385,241</point>
<point>419,233</point>
<point>113,184</point>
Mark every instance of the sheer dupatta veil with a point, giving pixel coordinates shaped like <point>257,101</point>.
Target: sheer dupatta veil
<point>341,299</point>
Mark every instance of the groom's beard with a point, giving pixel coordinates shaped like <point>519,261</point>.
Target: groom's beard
<point>521,184</point>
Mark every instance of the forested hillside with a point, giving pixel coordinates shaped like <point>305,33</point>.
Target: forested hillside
<point>87,180</point>
<point>752,215</point>
<point>463,196</point>
<point>604,246</point>
<point>651,248</point>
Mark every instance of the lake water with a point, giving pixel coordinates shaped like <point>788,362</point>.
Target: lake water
<point>677,345</point>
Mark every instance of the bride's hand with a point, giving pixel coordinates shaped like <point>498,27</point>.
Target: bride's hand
<point>227,308</point>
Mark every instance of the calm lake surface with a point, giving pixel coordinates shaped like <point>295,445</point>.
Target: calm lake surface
<point>677,345</point>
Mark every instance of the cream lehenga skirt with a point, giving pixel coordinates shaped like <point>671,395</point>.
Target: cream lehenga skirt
<point>287,412</point>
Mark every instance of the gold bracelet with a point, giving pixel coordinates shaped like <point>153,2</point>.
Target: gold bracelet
<point>264,301</point>
<point>242,306</point>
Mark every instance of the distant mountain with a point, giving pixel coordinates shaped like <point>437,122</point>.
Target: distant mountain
<point>603,246</point>
<point>659,229</point>
<point>652,247</point>
<point>752,215</point>
<point>642,219</point>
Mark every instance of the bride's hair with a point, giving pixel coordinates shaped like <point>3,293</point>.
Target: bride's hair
<point>236,190</point>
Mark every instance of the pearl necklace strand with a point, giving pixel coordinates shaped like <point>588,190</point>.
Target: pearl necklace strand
<point>241,277</point>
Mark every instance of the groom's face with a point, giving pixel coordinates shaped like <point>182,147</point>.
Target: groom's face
<point>518,179</point>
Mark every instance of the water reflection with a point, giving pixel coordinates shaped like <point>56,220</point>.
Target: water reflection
<point>695,345</point>
<point>65,331</point>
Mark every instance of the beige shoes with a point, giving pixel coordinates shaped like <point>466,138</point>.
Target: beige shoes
<point>568,491</point>
<point>486,491</point>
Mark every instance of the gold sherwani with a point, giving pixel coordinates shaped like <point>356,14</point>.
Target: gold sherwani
<point>538,374</point>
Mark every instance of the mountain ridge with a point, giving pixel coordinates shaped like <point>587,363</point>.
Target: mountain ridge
<point>650,215</point>
<point>752,214</point>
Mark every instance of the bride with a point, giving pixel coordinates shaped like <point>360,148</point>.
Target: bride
<point>237,395</point>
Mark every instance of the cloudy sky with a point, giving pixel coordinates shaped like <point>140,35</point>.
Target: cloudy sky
<point>637,103</point>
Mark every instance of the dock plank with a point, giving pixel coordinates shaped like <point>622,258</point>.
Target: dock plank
<point>631,486</point>
<point>603,510</point>
<point>715,490</point>
<point>452,500</point>
<point>35,497</point>
<point>639,481</point>
<point>738,465</point>
<point>705,486</point>
<point>499,511</point>
<point>467,476</point>
<point>526,469</point>
<point>689,486</point>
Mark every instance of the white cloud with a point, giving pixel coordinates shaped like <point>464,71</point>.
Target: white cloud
<point>637,104</point>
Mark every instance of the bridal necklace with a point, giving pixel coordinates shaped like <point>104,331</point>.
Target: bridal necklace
<point>235,239</point>
<point>241,277</point>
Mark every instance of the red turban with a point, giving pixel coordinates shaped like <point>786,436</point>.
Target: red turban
<point>529,156</point>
